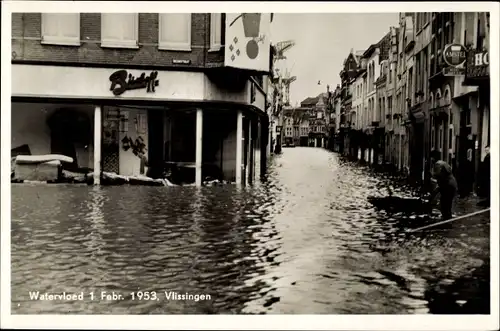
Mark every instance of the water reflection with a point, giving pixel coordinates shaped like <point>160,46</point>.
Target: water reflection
<point>304,241</point>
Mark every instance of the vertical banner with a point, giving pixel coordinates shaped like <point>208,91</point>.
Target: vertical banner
<point>247,43</point>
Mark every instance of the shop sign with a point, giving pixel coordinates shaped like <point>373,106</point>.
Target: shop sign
<point>453,71</point>
<point>454,54</point>
<point>122,81</point>
<point>478,64</point>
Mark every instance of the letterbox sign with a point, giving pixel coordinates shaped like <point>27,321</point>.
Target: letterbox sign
<point>454,54</point>
<point>478,65</point>
<point>122,81</point>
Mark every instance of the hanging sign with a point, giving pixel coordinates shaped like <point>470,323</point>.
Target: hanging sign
<point>248,44</point>
<point>454,55</point>
<point>478,65</point>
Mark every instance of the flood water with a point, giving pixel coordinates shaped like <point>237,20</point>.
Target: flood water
<point>305,241</point>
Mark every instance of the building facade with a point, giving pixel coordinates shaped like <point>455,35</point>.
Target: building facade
<point>430,91</point>
<point>110,90</point>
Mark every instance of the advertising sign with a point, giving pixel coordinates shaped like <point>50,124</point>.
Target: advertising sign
<point>453,71</point>
<point>478,65</point>
<point>248,44</point>
<point>454,55</point>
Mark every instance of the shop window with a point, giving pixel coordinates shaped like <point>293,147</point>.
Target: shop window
<point>119,30</point>
<point>61,29</point>
<point>175,31</point>
<point>215,31</point>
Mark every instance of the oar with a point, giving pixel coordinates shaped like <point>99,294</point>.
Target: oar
<point>450,220</point>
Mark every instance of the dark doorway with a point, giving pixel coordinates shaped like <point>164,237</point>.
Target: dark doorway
<point>69,128</point>
<point>417,152</point>
<point>246,143</point>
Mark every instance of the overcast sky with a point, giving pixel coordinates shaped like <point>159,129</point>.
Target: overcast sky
<point>322,43</point>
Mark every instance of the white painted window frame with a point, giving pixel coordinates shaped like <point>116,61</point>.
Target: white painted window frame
<point>60,40</point>
<point>130,43</point>
<point>215,25</point>
<point>174,46</point>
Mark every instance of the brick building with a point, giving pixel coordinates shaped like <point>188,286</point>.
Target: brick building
<point>105,88</point>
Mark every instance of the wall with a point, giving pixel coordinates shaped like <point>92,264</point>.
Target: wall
<point>29,126</point>
<point>357,103</point>
<point>26,36</point>
<point>78,82</point>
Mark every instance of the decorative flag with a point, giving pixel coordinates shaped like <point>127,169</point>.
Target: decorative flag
<point>248,41</point>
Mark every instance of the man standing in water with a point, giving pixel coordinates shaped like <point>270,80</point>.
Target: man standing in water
<point>446,184</point>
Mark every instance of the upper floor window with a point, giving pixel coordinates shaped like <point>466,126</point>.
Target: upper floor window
<point>215,31</point>
<point>119,30</point>
<point>61,28</point>
<point>175,31</point>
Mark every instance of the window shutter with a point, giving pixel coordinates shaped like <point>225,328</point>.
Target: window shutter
<point>61,28</point>
<point>69,26</point>
<point>175,31</point>
<point>50,25</point>
<point>119,30</point>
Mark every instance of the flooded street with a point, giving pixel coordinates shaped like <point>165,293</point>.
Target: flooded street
<point>305,241</point>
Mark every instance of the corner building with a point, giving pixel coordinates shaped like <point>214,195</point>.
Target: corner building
<point>106,88</point>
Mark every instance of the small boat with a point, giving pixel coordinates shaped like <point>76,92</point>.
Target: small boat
<point>396,204</point>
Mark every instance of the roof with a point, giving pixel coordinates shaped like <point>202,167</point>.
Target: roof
<point>379,44</point>
<point>360,72</point>
<point>314,100</point>
<point>310,101</point>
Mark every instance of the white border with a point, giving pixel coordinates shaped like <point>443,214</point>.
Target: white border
<point>295,322</point>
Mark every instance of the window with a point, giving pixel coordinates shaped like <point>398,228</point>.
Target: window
<point>418,73</point>
<point>479,42</point>
<point>119,30</point>
<point>450,138</point>
<point>215,31</point>
<point>61,29</point>
<point>175,31</point>
<point>433,138</point>
<point>440,146</point>
<point>425,74</point>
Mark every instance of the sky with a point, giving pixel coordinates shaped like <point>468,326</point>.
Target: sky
<point>322,42</point>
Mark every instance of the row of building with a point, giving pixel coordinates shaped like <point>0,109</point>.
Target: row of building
<point>307,125</point>
<point>423,86</point>
<point>183,90</point>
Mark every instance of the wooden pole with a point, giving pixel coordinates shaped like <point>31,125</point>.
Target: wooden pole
<point>450,220</point>
<point>97,144</point>
<point>199,147</point>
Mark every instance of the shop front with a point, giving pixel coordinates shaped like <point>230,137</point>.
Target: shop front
<point>139,122</point>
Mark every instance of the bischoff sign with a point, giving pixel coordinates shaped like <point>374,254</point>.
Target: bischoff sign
<point>454,55</point>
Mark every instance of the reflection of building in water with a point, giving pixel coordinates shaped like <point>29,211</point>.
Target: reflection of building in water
<point>140,100</point>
